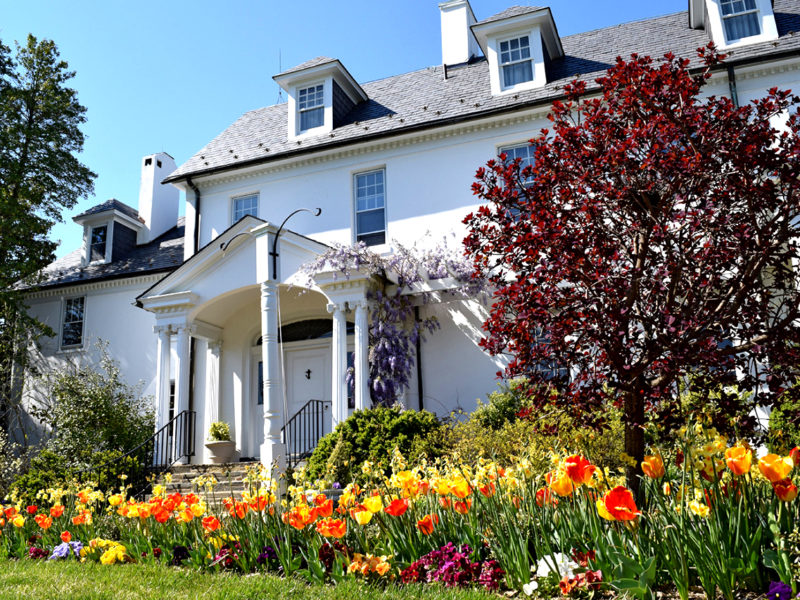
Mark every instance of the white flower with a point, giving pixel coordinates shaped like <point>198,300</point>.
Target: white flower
<point>559,562</point>
<point>529,588</point>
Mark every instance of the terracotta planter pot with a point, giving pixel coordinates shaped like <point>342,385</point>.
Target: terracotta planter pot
<point>221,451</point>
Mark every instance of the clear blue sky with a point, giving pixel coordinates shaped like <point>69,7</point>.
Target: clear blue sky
<point>169,76</point>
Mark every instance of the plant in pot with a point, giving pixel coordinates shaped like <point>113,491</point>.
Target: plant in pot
<point>219,443</point>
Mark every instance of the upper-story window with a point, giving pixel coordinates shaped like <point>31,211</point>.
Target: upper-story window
<point>245,205</point>
<point>97,243</point>
<point>740,19</point>
<point>72,324</point>
<point>370,192</point>
<point>311,107</point>
<point>515,61</point>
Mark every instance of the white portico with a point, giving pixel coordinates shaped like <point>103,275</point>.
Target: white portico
<point>243,342</point>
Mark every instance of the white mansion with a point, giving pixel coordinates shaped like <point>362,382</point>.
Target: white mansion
<point>212,320</point>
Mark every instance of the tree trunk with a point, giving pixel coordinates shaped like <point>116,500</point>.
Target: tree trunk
<point>634,439</point>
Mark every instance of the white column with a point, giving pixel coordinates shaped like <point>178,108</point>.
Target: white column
<point>212,395</point>
<point>273,451</point>
<point>162,375</point>
<point>182,382</point>
<point>162,392</point>
<point>338,363</point>
<point>362,356</point>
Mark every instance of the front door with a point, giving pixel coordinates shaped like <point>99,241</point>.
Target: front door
<point>308,377</point>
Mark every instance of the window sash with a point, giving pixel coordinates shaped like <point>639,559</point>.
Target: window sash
<point>515,61</point>
<point>740,19</point>
<point>245,205</point>
<point>370,200</point>
<point>522,151</point>
<point>311,107</point>
<point>72,326</point>
<point>97,245</point>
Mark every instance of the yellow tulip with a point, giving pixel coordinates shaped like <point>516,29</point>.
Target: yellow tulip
<point>373,504</point>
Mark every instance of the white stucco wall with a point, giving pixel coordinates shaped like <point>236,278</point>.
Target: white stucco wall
<point>110,317</point>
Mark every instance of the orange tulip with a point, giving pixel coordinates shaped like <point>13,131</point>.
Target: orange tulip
<point>795,454</point>
<point>56,511</point>
<point>335,528</point>
<point>302,515</point>
<point>785,490</point>
<point>487,490</point>
<point>738,459</point>
<point>10,512</point>
<point>43,521</point>
<point>66,536</point>
<point>579,469</point>
<point>545,496</point>
<point>560,483</point>
<point>210,523</point>
<point>618,505</point>
<point>425,525</point>
<point>462,506</point>
<point>653,466</point>
<point>32,509</point>
<point>161,515</point>
<point>444,502</point>
<point>325,509</point>
<point>775,467</point>
<point>397,508</point>
<point>459,487</point>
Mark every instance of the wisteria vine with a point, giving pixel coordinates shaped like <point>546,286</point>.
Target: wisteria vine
<point>393,328</point>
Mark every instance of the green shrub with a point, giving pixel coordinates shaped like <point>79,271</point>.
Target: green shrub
<point>50,470</point>
<point>219,431</point>
<point>503,430</point>
<point>92,409</point>
<point>784,426</point>
<point>372,435</point>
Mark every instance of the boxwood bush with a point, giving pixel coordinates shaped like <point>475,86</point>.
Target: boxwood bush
<point>372,435</point>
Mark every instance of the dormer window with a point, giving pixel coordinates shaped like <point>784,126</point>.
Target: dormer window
<point>740,19</point>
<point>515,61</point>
<point>97,245</point>
<point>311,107</point>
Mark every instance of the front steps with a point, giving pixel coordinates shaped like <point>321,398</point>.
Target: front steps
<point>231,478</point>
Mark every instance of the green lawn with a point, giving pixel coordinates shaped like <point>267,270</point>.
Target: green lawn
<point>43,580</point>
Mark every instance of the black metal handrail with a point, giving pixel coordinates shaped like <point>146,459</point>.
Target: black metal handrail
<point>172,442</point>
<point>303,431</point>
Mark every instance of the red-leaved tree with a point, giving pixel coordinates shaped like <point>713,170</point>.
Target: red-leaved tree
<point>653,244</point>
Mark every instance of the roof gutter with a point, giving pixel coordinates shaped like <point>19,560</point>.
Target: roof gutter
<point>196,241</point>
<point>444,122</point>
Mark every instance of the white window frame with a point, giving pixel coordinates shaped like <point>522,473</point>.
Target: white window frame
<point>356,212</point>
<point>747,11</point>
<point>513,146</point>
<point>502,65</point>
<point>109,225</point>
<point>319,95</point>
<point>64,322</point>
<point>238,197</point>
<point>766,17</point>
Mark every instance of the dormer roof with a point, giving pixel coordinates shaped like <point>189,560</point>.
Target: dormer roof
<point>319,67</point>
<point>111,205</point>
<point>518,17</point>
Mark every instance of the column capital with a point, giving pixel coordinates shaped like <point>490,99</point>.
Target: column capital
<point>360,303</point>
<point>162,329</point>
<point>215,346</point>
<point>334,307</point>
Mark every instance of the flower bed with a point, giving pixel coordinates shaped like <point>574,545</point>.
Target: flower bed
<point>711,516</point>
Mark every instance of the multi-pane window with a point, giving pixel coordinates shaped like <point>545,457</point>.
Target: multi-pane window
<point>549,370</point>
<point>72,326</point>
<point>523,152</point>
<point>515,61</point>
<point>740,19</point>
<point>310,105</point>
<point>245,205</point>
<point>97,243</point>
<point>370,207</point>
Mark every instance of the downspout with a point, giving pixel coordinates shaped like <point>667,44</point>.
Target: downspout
<point>732,86</point>
<point>196,191</point>
<point>419,360</point>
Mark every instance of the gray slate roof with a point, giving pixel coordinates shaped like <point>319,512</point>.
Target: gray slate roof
<point>425,99</point>
<point>162,254</point>
<point>112,204</point>
<point>514,11</point>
